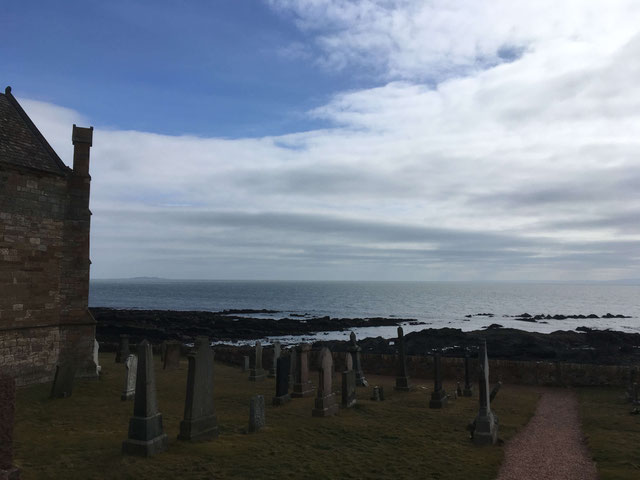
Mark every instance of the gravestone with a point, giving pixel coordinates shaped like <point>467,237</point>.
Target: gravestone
<point>348,361</point>
<point>494,391</point>
<point>348,388</point>
<point>293,354</point>
<point>96,360</point>
<point>256,373</point>
<point>485,426</point>
<point>276,355</point>
<point>63,380</point>
<point>354,349</point>
<point>468,386</point>
<point>172,356</point>
<point>302,386</point>
<point>131,369</point>
<point>402,378</point>
<point>282,381</point>
<point>7,420</point>
<point>376,394</point>
<point>200,422</point>
<point>245,363</point>
<point>256,413</point>
<point>439,396</point>
<point>325,403</point>
<point>146,436</point>
<point>123,349</point>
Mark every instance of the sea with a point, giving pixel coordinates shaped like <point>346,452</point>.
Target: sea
<point>423,304</point>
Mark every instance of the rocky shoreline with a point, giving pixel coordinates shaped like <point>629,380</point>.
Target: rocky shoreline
<point>584,346</point>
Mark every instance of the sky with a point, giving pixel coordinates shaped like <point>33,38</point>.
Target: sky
<point>473,140</point>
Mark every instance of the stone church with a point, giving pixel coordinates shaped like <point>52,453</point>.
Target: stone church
<point>44,251</point>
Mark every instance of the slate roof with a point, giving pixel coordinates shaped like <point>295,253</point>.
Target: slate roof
<point>21,143</point>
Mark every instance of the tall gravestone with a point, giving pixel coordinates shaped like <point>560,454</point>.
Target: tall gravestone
<point>439,396</point>
<point>63,380</point>
<point>282,381</point>
<point>7,419</point>
<point>200,422</point>
<point>146,436</point>
<point>257,418</point>
<point>468,386</point>
<point>256,373</point>
<point>293,354</point>
<point>302,386</point>
<point>172,355</point>
<point>485,425</point>
<point>354,350</point>
<point>123,349</point>
<point>245,363</point>
<point>131,369</point>
<point>325,403</point>
<point>348,384</point>
<point>402,378</point>
<point>276,354</point>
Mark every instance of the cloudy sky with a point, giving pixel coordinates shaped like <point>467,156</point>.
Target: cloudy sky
<point>333,139</point>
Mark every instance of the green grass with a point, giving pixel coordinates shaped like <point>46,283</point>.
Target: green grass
<point>80,437</point>
<point>612,433</point>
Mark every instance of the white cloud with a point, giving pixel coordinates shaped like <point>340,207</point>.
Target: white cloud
<point>526,168</point>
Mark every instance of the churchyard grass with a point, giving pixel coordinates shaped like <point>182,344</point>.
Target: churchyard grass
<point>612,433</point>
<point>81,437</point>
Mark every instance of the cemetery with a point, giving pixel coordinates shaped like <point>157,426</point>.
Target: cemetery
<point>204,419</point>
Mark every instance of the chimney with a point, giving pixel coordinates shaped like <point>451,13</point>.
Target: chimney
<point>82,139</point>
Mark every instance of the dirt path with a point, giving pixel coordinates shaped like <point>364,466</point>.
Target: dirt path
<point>550,446</point>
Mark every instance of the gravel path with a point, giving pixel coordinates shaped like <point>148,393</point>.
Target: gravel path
<point>551,445</point>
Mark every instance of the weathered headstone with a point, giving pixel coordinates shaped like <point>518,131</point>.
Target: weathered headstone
<point>131,369</point>
<point>325,403</point>
<point>282,381</point>
<point>439,396</point>
<point>96,359</point>
<point>146,436</point>
<point>63,380</point>
<point>302,387</point>
<point>7,420</point>
<point>348,361</point>
<point>377,395</point>
<point>494,391</point>
<point>256,413</point>
<point>245,363</point>
<point>348,388</point>
<point>200,422</point>
<point>276,354</point>
<point>256,373</point>
<point>468,386</point>
<point>402,378</point>
<point>172,356</point>
<point>294,365</point>
<point>485,426</point>
<point>123,349</point>
<point>355,349</point>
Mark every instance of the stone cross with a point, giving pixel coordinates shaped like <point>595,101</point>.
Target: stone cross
<point>256,373</point>
<point>468,386</point>
<point>348,388</point>
<point>439,396</point>
<point>355,349</point>
<point>485,425</point>
<point>123,349</point>
<point>146,436</point>
<point>96,360</point>
<point>276,354</point>
<point>131,369</point>
<point>302,386</point>
<point>172,356</point>
<point>63,380</point>
<point>282,381</point>
<point>325,403</point>
<point>402,378</point>
<point>200,422</point>
<point>256,413</point>
<point>7,419</point>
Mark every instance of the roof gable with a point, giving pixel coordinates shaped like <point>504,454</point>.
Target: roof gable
<point>21,143</point>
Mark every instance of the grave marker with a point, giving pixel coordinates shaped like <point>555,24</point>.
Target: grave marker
<point>276,354</point>
<point>468,386</point>
<point>355,350</point>
<point>123,349</point>
<point>439,396</point>
<point>256,413</point>
<point>348,388</point>
<point>245,363</point>
<point>325,403</point>
<point>282,381</point>
<point>256,373</point>
<point>402,378</point>
<point>172,356</point>
<point>485,425</point>
<point>302,386</point>
<point>63,380</point>
<point>131,369</point>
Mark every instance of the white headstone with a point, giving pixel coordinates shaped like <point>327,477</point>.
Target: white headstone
<point>131,368</point>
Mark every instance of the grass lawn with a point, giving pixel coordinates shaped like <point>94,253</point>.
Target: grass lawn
<point>80,437</point>
<point>612,433</point>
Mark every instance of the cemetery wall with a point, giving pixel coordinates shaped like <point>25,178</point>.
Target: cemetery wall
<point>507,371</point>
<point>44,273</point>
